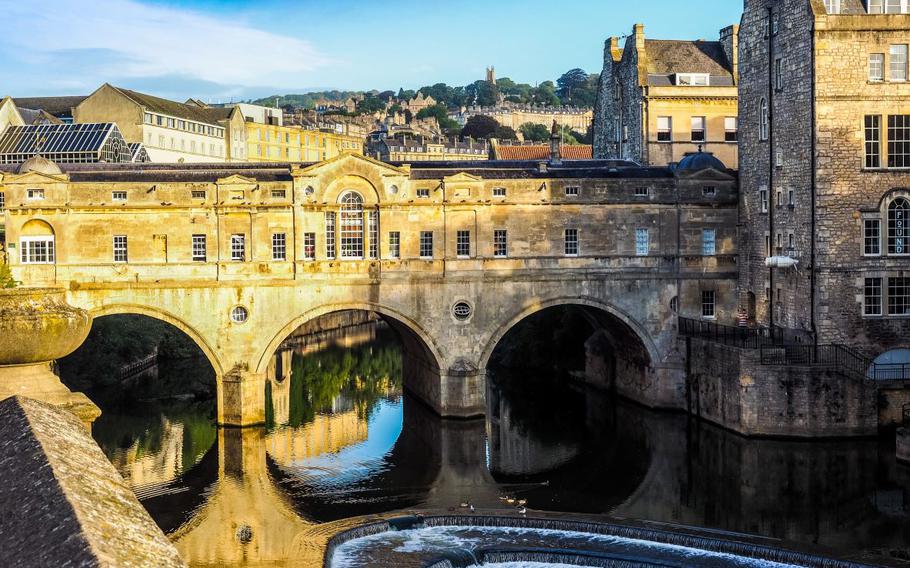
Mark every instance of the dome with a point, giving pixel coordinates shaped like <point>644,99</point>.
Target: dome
<point>700,161</point>
<point>39,164</point>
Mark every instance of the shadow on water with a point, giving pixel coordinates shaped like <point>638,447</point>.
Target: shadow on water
<point>343,440</point>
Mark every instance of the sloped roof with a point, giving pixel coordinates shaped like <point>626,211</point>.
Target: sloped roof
<point>669,56</point>
<point>57,106</point>
<point>542,152</point>
<point>173,108</point>
<point>62,142</point>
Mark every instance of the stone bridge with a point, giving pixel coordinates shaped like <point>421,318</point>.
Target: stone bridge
<point>452,255</point>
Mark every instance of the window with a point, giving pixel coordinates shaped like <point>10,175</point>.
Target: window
<point>898,231</point>
<point>642,242</point>
<point>279,194</point>
<point>790,199</point>
<point>872,297</point>
<point>698,129</point>
<point>873,133</point>
<point>37,250</point>
<point>426,244</point>
<point>463,244</point>
<point>707,304</point>
<point>832,6</point>
<point>642,191</point>
<point>763,120</point>
<point>617,129</point>
<point>197,194</point>
<point>778,74</point>
<point>778,161</point>
<point>872,237</point>
<point>239,314</point>
<point>500,243</point>
<point>395,244</point>
<point>763,200</point>
<point>499,192</point>
<point>118,196</point>
<point>148,118</point>
<point>279,246</point>
<point>767,245</point>
<point>423,193</point>
<point>309,246</point>
<point>373,228</point>
<point>571,191</point>
<point>571,242</point>
<point>238,247</point>
<point>330,235</point>
<point>731,129</point>
<point>888,6</point>
<point>34,194</point>
<point>899,296</point>
<point>351,225</point>
<point>897,64</point>
<point>780,197</point>
<point>120,246</point>
<point>2,202</point>
<point>693,79</point>
<point>876,66</point>
<point>709,242</point>
<point>664,129</point>
<point>899,141</point>
<point>199,248</point>
<point>791,242</point>
<point>708,191</point>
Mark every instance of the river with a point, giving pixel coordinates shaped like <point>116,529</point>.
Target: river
<point>343,441</point>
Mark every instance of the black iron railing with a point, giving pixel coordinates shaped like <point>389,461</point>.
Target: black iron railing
<point>890,371</point>
<point>834,356</point>
<point>744,337</point>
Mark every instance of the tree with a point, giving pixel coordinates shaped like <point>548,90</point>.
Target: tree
<point>482,93</point>
<point>545,94</point>
<point>482,126</point>
<point>405,95</point>
<point>369,105</point>
<point>533,132</point>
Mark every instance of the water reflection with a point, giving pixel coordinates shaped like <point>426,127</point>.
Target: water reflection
<point>343,440</point>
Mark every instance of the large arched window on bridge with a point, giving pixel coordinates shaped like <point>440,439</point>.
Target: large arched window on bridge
<point>898,230</point>
<point>37,244</point>
<point>351,225</point>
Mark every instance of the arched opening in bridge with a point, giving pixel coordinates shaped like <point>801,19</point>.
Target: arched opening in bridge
<point>156,390</point>
<point>556,427</point>
<point>341,436</point>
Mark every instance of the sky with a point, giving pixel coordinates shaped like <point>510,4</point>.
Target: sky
<point>222,50</point>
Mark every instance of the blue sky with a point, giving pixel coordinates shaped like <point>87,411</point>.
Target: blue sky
<point>230,49</point>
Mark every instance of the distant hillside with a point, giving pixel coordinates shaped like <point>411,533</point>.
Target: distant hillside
<point>307,100</point>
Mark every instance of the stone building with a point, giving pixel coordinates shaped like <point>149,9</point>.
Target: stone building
<point>513,116</point>
<point>661,99</point>
<point>406,149</point>
<point>825,141</point>
<point>170,131</point>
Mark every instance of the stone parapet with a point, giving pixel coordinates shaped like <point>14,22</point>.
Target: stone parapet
<point>63,502</point>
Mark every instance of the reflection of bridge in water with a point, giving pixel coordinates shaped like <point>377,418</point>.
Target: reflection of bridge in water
<point>248,509</point>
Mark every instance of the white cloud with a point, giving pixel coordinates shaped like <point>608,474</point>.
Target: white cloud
<point>124,38</point>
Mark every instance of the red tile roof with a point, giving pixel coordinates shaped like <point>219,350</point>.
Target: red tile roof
<point>542,152</point>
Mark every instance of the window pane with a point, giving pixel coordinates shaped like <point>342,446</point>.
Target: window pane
<point>426,244</point>
<point>709,242</point>
<point>330,235</point>
<point>707,303</point>
<point>899,296</point>
<point>872,237</point>
<point>898,231</point>
<point>352,226</point>
<point>642,242</point>
<point>463,243</point>
<point>500,243</point>
<point>873,133</point>
<point>395,244</point>
<point>877,67</point>
<point>872,297</point>
<point>571,242</point>
<point>898,62</point>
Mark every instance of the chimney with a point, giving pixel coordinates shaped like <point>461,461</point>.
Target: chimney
<point>729,38</point>
<point>613,49</point>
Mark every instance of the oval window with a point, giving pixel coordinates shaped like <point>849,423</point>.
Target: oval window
<point>239,314</point>
<point>462,311</point>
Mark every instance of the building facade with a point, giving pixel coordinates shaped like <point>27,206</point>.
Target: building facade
<point>407,149</point>
<point>514,116</point>
<point>278,143</point>
<point>659,100</point>
<point>825,114</point>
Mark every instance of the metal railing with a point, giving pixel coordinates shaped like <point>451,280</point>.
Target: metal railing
<point>743,337</point>
<point>834,356</point>
<point>890,371</point>
<point>137,367</point>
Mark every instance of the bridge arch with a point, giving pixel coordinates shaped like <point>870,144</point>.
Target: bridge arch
<point>165,316</point>
<point>392,316</point>
<point>615,314</point>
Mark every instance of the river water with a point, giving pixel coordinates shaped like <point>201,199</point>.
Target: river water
<point>343,441</point>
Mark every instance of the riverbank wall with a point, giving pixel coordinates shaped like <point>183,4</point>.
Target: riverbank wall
<point>731,387</point>
<point>63,502</point>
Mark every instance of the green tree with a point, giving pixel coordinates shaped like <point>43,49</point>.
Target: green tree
<point>482,126</point>
<point>482,93</point>
<point>545,94</point>
<point>534,132</point>
<point>441,114</point>
<point>569,81</point>
<point>370,104</point>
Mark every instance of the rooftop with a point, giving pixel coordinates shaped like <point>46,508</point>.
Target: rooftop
<point>542,152</point>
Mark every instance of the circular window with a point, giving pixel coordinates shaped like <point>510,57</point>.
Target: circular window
<point>462,310</point>
<point>309,190</point>
<point>239,314</point>
<point>393,190</point>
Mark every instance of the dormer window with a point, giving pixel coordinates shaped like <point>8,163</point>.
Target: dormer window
<point>833,6</point>
<point>693,79</point>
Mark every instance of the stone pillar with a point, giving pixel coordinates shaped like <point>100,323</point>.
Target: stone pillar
<point>241,398</point>
<point>37,326</point>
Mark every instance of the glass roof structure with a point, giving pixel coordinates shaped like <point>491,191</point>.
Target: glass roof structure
<point>65,143</point>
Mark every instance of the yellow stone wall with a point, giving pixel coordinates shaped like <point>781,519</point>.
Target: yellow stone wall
<point>272,143</point>
<point>680,104</point>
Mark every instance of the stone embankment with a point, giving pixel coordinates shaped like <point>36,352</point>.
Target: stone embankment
<point>62,502</point>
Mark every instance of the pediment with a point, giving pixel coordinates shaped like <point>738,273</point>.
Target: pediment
<point>352,163</point>
<point>706,174</point>
<point>32,178</point>
<point>462,177</point>
<point>236,179</point>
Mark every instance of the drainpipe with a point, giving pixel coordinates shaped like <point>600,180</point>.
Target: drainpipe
<point>770,195</point>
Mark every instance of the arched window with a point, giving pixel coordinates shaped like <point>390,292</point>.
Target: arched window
<point>351,225</point>
<point>763,120</point>
<point>37,244</point>
<point>898,230</point>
